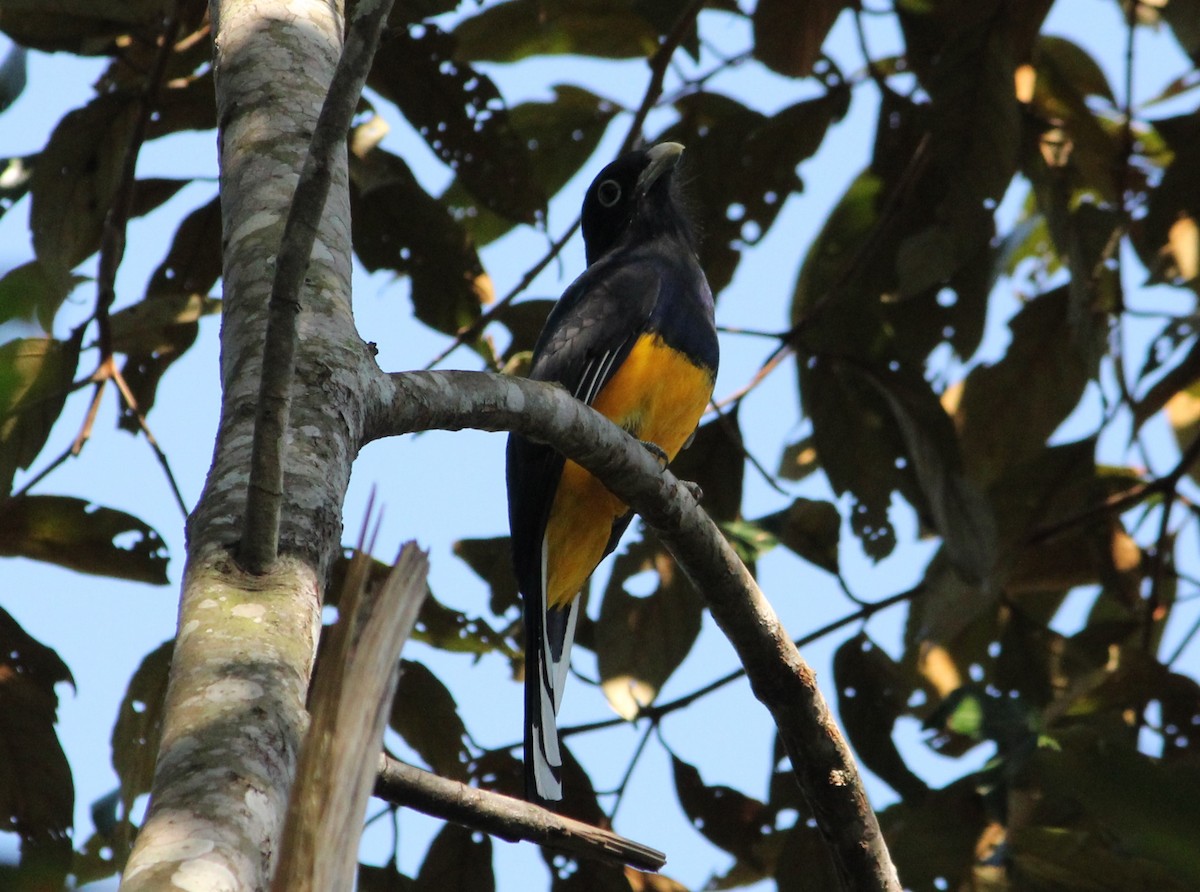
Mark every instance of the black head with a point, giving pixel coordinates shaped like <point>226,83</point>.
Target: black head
<point>636,195</point>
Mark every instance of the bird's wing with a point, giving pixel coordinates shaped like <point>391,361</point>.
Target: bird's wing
<point>586,338</point>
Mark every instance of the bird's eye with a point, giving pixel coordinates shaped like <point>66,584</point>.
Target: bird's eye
<point>608,193</point>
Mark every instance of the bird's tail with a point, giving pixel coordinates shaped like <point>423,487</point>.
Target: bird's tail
<point>548,637</point>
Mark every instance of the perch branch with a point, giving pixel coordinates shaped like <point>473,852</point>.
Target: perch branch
<point>779,677</point>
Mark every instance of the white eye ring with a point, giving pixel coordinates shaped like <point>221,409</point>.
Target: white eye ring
<point>608,193</point>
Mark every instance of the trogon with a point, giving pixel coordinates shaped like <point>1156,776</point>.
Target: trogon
<point>634,338</point>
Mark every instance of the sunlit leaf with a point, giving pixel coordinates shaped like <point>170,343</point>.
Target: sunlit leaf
<point>513,30</point>
<point>148,327</point>
<point>1183,412</point>
<point>640,641</point>
<point>35,378</point>
<point>88,538</point>
<point>799,459</point>
<point>76,179</point>
<point>15,175</point>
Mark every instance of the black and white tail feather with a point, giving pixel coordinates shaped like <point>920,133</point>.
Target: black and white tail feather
<point>546,668</point>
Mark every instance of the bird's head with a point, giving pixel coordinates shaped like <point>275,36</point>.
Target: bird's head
<point>638,191</point>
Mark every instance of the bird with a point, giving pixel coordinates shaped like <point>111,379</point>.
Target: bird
<point>634,338</point>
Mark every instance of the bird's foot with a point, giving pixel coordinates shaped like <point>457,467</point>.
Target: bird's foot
<point>657,451</point>
<point>694,489</point>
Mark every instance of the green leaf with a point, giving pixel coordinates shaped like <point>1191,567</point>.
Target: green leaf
<point>76,179</point>
<point>35,378</point>
<point>386,878</point>
<point>30,292</point>
<point>37,797</point>
<point>524,321</point>
<point>425,715</point>
<point>90,539</point>
<point>640,641</point>
<point>809,527</point>
<point>557,138</point>
<point>458,859</point>
<point>517,29</point>
<point>788,33</point>
<point>871,696</point>
<point>398,226</point>
<point>1168,241</point>
<point>136,734</point>
<point>462,117</point>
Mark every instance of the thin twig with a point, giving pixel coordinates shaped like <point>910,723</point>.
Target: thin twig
<point>260,541</point>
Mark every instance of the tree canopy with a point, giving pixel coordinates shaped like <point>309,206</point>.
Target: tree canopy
<point>993,342</point>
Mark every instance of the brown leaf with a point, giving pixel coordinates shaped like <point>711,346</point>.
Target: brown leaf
<point>37,798</point>
<point>76,179</point>
<point>804,862</point>
<point>788,33</point>
<point>458,859</point>
<point>871,696</point>
<point>716,461</point>
<point>1009,409</point>
<point>425,715</point>
<point>462,117</point>
<point>809,527</point>
<point>641,641</point>
<point>399,226</point>
<point>741,166</point>
<point>88,538</point>
<point>35,378</point>
<point>728,819</point>
<point>491,560</point>
<point>136,734</point>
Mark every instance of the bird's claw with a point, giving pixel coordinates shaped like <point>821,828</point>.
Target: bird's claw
<point>694,489</point>
<point>657,451</point>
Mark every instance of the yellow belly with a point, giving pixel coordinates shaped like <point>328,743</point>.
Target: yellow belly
<point>657,395</point>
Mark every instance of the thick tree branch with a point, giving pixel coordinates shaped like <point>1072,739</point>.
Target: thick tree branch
<point>779,677</point>
<point>506,817</point>
<point>264,498</point>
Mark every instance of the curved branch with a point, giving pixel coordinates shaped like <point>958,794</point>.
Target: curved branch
<point>779,677</point>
